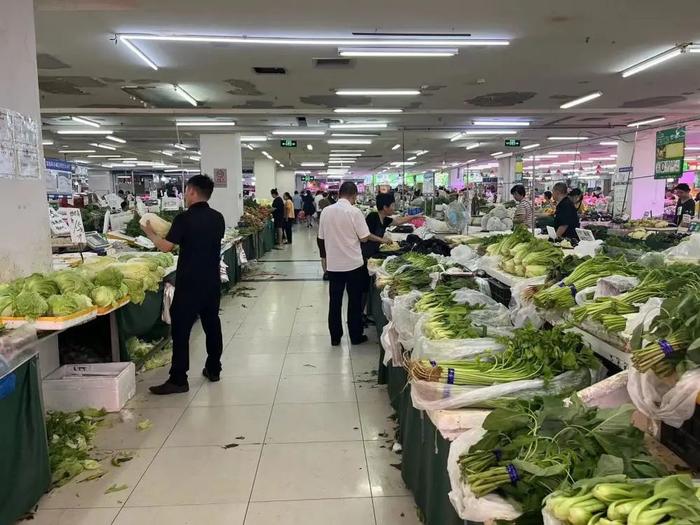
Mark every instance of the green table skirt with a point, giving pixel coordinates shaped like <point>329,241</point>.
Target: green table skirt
<point>141,320</point>
<point>374,307</point>
<point>24,454</point>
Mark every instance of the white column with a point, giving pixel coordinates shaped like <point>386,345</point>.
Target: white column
<point>25,245</point>
<point>644,193</point>
<point>286,181</point>
<point>456,179</point>
<point>223,152</point>
<point>265,173</point>
<point>506,177</point>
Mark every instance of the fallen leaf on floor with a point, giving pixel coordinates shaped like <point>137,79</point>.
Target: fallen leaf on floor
<point>116,488</point>
<point>383,434</point>
<point>230,445</point>
<point>145,424</point>
<point>310,365</point>
<point>356,428</point>
<point>94,476</point>
<point>397,466</point>
<point>120,458</point>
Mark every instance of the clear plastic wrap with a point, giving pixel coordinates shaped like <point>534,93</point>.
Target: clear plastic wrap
<point>522,311</point>
<point>464,255</point>
<point>658,400</point>
<point>687,250</point>
<point>405,318</point>
<point>391,345</point>
<point>614,285</point>
<point>387,303</point>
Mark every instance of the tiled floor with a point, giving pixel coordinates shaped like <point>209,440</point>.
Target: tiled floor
<point>307,421</point>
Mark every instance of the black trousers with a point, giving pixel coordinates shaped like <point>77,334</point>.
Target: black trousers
<point>288,229</point>
<point>185,309</point>
<point>353,282</point>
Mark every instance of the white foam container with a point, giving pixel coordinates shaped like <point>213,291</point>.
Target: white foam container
<point>98,385</point>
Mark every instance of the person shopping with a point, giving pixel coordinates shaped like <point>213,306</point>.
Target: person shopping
<point>685,204</point>
<point>289,216</point>
<point>342,229</point>
<point>523,210</point>
<point>277,217</point>
<point>198,233</point>
<point>309,208</point>
<point>565,216</point>
<point>297,204</point>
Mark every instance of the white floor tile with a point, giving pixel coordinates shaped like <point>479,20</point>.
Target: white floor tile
<point>251,365</point>
<point>258,343</point>
<point>384,470</point>
<point>310,328</point>
<point>356,511</point>
<point>216,514</point>
<point>371,391</point>
<point>301,344</point>
<point>256,390</point>
<point>396,511</point>
<point>220,425</point>
<point>120,431</point>
<point>197,475</point>
<point>144,398</point>
<point>73,517</point>
<point>311,471</point>
<point>298,423</point>
<point>376,420</point>
<point>328,362</point>
<point>325,388</point>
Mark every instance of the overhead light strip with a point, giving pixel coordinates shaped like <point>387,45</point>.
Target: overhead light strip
<point>205,123</point>
<point>367,110</point>
<point>136,51</point>
<point>503,123</point>
<point>83,132</point>
<point>388,52</point>
<point>359,125</point>
<point>378,92</point>
<point>115,139</point>
<point>530,146</point>
<point>653,61</point>
<point>350,141</point>
<point>582,100</point>
<point>645,122</point>
<point>85,121</point>
<point>184,94</point>
<point>294,131</point>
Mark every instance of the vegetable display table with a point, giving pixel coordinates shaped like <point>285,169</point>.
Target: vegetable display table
<point>24,453</point>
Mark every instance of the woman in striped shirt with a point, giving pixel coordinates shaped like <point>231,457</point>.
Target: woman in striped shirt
<point>523,211</point>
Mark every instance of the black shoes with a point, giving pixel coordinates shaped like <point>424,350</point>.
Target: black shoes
<point>335,342</point>
<point>168,388</point>
<point>210,376</point>
<point>362,339</point>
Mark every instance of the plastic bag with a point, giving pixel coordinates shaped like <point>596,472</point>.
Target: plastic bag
<point>223,271</point>
<point>391,345</point>
<point>614,285</point>
<point>456,216</point>
<point>405,318</point>
<point>429,395</point>
<point>464,255</point>
<point>451,349</point>
<point>473,297</point>
<point>647,312</point>
<point>484,286</point>
<point>485,509</point>
<point>387,303</point>
<point>523,312</point>
<point>588,248</point>
<point>672,404</point>
<point>168,296</point>
<point>686,250</point>
<point>436,226</point>
<point>493,315</point>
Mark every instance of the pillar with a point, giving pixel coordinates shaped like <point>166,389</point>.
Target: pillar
<point>506,177</point>
<point>265,173</point>
<point>456,179</point>
<point>644,194</point>
<point>25,241</point>
<point>286,181</point>
<point>221,160</point>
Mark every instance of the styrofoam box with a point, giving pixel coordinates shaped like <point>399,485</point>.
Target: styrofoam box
<point>99,385</point>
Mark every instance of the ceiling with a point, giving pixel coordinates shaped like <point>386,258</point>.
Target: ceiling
<point>559,50</point>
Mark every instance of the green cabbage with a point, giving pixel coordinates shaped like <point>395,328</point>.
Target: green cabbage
<point>61,305</point>
<point>103,296</point>
<point>90,269</point>
<point>6,306</point>
<point>30,304</point>
<point>136,292</point>
<point>109,277</point>
<point>72,281</point>
<point>40,284</point>
<point>83,301</point>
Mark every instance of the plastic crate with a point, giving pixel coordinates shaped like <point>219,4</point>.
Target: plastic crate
<point>684,441</point>
<point>499,292</point>
<point>98,385</point>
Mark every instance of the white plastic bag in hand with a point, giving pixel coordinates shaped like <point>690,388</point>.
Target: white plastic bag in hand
<point>672,404</point>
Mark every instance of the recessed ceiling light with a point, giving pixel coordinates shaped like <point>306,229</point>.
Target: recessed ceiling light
<point>530,146</point>
<point>474,145</point>
<point>184,94</point>
<point>377,92</point>
<point>651,62</point>
<point>581,100</point>
<point>412,158</point>
<point>310,147</point>
<point>254,138</point>
<point>83,132</point>
<point>205,123</point>
<point>566,138</point>
<point>312,164</point>
<point>497,153</point>
<point>350,141</point>
<point>297,131</point>
<point>70,151</point>
<point>365,110</point>
<point>504,123</point>
<point>347,151</point>
<point>395,147</point>
<point>380,52</point>
<point>86,121</point>
<point>115,139</point>
<point>645,122</point>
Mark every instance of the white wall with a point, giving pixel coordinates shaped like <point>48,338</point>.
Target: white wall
<point>286,181</point>
<point>265,172</point>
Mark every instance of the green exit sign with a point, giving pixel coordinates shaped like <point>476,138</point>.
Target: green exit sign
<point>288,143</point>
<point>512,143</point>
<point>308,178</point>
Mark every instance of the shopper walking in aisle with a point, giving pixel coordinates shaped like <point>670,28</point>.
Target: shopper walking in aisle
<point>277,217</point>
<point>297,204</point>
<point>565,217</point>
<point>289,216</point>
<point>523,210</point>
<point>309,208</point>
<point>198,233</point>
<point>341,230</point>
<point>317,201</point>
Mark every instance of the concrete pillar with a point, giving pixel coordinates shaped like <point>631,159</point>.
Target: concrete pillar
<point>223,152</point>
<point>265,173</point>
<point>506,177</point>
<point>456,179</point>
<point>286,181</point>
<point>644,194</point>
<point>25,245</point>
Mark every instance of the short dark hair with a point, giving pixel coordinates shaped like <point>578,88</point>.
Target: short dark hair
<point>682,186</point>
<point>547,194</point>
<point>384,200</point>
<point>296,192</point>
<point>561,187</point>
<point>347,189</point>
<point>519,189</point>
<point>202,184</point>
<point>575,193</point>
<point>274,191</point>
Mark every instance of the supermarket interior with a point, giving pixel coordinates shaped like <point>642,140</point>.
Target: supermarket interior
<point>379,263</point>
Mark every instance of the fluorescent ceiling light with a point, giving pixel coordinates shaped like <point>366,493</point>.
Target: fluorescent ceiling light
<point>345,154</point>
<point>350,141</point>
<point>267,155</point>
<point>645,122</point>
<point>653,61</point>
<point>115,139</point>
<point>250,147</point>
<point>504,155</point>
<point>124,159</point>
<point>47,142</point>
<point>184,94</point>
<point>566,138</point>
<point>86,121</point>
<point>692,148</point>
<point>297,131</point>
<point>474,145</point>
<point>347,151</point>
<point>204,123</point>
<point>497,153</point>
<point>609,143</point>
<point>180,146</point>
<point>254,138</point>
<point>168,153</point>
<point>395,147</point>
<point>309,147</point>
<point>599,158</point>
<point>354,134</point>
<point>489,132</point>
<point>178,170</point>
<point>412,158</point>
<point>377,92</point>
<point>83,132</point>
<point>530,146</point>
<point>276,40</point>
<point>301,172</point>
<point>66,151</point>
<point>312,164</point>
<point>279,164</point>
<point>403,163</point>
<point>104,146</point>
<point>387,52</point>
<point>135,50</point>
<point>365,110</point>
<point>104,157</point>
<point>506,123</point>
<point>80,161</point>
<point>195,158</point>
<point>581,100</point>
<point>564,152</point>
<point>360,125</point>
<point>421,152</point>
<point>330,176</point>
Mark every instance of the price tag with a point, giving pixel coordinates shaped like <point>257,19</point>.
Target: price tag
<point>684,225</point>
<point>552,233</point>
<point>585,235</point>
<point>75,224</point>
<point>170,203</point>
<point>58,225</point>
<point>140,207</point>
<point>240,252</point>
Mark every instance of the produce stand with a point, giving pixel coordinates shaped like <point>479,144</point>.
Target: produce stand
<point>53,323</point>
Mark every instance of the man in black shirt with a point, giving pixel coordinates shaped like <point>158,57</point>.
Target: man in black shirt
<point>277,216</point>
<point>685,204</point>
<point>198,233</point>
<point>565,217</point>
<point>378,221</point>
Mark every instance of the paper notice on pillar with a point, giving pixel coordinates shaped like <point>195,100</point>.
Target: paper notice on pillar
<point>28,162</point>
<point>8,160</point>
<point>220,177</point>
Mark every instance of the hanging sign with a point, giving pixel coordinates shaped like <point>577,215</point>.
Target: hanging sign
<point>288,143</point>
<point>75,224</point>
<point>670,149</point>
<point>512,143</point>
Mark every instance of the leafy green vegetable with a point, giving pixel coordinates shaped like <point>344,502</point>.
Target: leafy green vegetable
<point>41,285</point>
<point>30,305</point>
<point>72,281</point>
<point>103,296</point>
<point>116,488</point>
<point>110,276</point>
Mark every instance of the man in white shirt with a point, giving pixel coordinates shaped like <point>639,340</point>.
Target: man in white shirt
<point>341,230</point>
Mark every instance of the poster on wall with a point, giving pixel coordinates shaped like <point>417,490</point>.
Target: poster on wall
<point>670,149</point>
<point>19,146</point>
<point>58,176</point>
<point>220,177</point>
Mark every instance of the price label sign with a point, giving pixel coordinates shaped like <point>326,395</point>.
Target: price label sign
<point>551,232</point>
<point>240,252</point>
<point>75,224</point>
<point>585,235</point>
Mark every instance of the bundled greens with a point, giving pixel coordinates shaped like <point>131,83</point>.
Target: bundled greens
<point>533,448</point>
<point>447,319</point>
<point>410,271</point>
<point>614,500</point>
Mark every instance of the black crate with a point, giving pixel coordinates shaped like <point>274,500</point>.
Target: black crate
<point>499,291</point>
<point>684,441</point>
